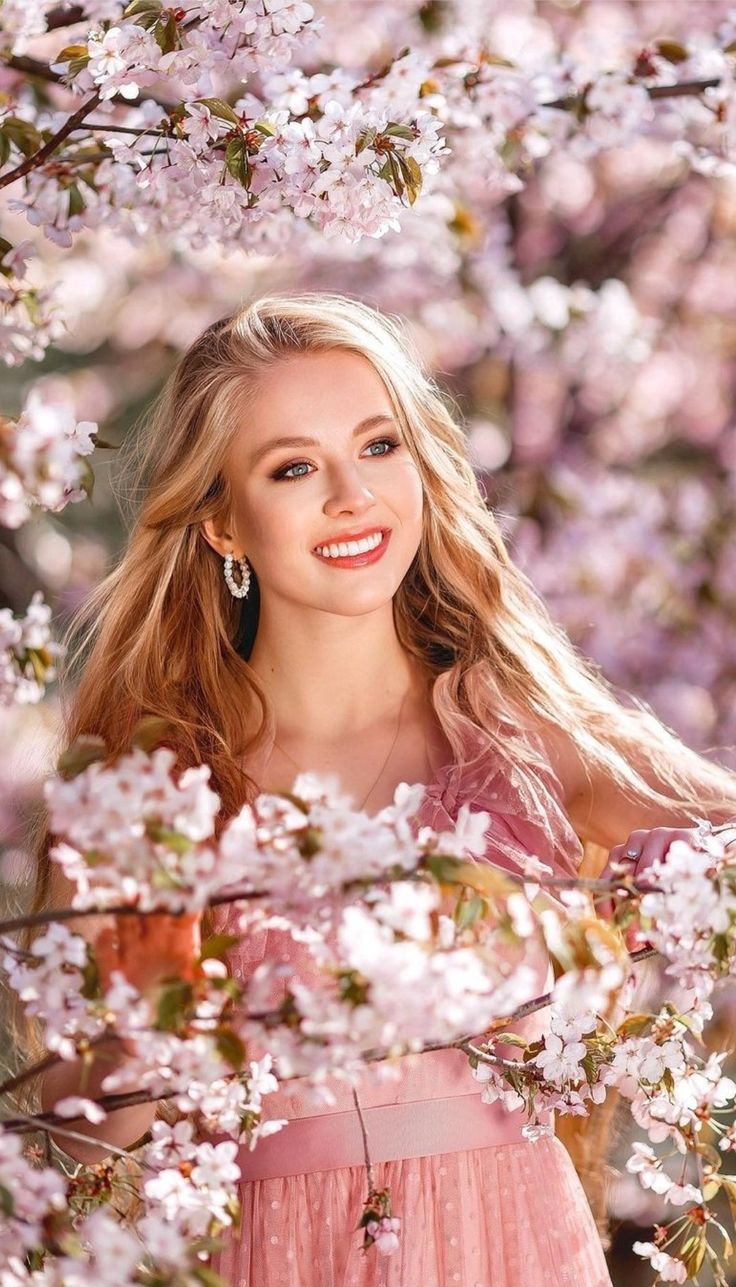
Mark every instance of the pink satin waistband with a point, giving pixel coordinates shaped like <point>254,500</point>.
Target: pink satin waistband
<point>420,1129</point>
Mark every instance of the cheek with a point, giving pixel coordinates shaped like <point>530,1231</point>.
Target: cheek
<point>408,491</point>
<point>267,518</point>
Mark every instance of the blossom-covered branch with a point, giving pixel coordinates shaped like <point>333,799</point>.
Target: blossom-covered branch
<point>397,903</point>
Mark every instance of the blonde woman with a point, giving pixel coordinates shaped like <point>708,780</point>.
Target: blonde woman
<point>244,613</point>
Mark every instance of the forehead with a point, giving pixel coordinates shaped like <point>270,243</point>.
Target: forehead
<point>319,390</point>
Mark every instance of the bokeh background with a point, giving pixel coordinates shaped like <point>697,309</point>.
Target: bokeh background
<point>583,319</point>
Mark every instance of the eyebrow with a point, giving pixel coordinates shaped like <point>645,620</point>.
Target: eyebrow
<point>368,423</point>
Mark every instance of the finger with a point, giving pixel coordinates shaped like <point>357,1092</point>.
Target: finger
<point>656,846</point>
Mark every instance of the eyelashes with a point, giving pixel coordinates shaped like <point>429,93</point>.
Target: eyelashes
<point>283,472</point>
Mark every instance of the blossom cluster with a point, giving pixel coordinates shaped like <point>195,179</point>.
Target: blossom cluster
<point>27,653</point>
<point>427,911</point>
<point>690,915</point>
<point>43,459</point>
<point>133,835</point>
<point>31,315</point>
<point>347,149</point>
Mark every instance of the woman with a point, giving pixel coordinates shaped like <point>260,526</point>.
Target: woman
<point>243,615</point>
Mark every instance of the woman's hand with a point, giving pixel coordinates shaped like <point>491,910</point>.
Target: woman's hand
<point>634,856</point>
<point>149,949</point>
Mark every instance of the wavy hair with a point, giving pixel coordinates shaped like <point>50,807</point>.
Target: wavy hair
<point>162,636</point>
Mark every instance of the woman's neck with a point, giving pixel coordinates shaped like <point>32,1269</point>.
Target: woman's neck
<point>337,684</point>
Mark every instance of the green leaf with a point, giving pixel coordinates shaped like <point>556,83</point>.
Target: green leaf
<point>237,161</point>
<point>720,948</point>
<point>23,134</point>
<point>7,1202</point>
<point>149,732</point>
<point>265,127</point>
<point>221,109</point>
<point>77,202</point>
<point>217,945</point>
<point>365,139</point>
<point>91,976</point>
<point>173,840</point>
<point>444,868</point>
<point>231,1048</point>
<point>412,177</point>
<point>468,911</point>
<point>166,33</point>
<point>173,1003</point>
<point>140,8</point>
<point>85,750</point>
<point>672,50</point>
<point>396,180</point>
<point>397,131</point>
<point>696,1257</point>
<point>4,151</point>
<point>634,1025</point>
<point>71,52</point>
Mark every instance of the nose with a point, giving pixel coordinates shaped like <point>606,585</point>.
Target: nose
<point>348,491</point>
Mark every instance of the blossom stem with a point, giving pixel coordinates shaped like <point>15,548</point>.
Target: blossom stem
<point>366,1150</point>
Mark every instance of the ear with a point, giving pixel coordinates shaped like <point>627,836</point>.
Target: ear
<point>219,538</point>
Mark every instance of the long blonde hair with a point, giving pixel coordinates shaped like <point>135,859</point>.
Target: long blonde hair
<point>161,635</point>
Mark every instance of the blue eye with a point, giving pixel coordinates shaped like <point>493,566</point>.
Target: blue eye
<point>284,472</point>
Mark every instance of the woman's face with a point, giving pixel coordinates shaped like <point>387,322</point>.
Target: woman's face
<point>355,476</point>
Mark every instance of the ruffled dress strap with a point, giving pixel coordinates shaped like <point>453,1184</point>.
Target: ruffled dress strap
<point>523,796</point>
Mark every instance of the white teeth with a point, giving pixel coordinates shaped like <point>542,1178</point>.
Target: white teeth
<point>350,547</point>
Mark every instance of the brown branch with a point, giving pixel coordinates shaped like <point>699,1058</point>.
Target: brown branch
<point>33,67</point>
<point>130,1099</point>
<point>678,90</point>
<point>48,1061</point>
<point>43,154</point>
<point>65,15</point>
<point>74,913</point>
<point>12,1083</point>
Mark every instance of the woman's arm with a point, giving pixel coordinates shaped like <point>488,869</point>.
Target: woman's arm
<point>599,808</point>
<point>122,1128</point>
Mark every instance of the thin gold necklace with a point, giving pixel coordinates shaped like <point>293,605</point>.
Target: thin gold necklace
<point>385,762</point>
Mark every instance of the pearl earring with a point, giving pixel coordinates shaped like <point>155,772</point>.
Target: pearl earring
<point>237,591</point>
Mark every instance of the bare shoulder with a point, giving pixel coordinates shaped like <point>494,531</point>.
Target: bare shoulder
<point>566,761</point>
<point>577,782</point>
<point>600,807</point>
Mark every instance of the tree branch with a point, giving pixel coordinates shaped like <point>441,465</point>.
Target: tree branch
<point>679,90</point>
<point>43,154</point>
<point>33,67</point>
<point>130,1099</point>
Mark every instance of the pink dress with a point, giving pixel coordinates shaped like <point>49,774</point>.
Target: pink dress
<point>480,1205</point>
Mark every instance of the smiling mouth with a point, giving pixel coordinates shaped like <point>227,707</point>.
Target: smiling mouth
<point>375,549</point>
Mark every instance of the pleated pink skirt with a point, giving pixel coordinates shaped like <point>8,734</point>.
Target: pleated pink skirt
<point>511,1215</point>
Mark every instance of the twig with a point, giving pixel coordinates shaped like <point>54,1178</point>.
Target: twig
<point>65,15</point>
<point>72,913</point>
<point>366,1151</point>
<point>38,158</point>
<point>34,1124</point>
<point>33,67</point>
<point>678,90</point>
<point>511,1064</point>
<point>129,1099</point>
<point>12,1083</point>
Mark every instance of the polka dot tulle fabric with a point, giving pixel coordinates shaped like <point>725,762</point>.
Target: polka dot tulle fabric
<point>511,1213</point>
<point>510,1216</point>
